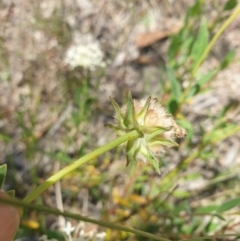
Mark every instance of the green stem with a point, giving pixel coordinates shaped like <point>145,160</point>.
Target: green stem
<point>215,38</point>
<point>208,49</point>
<point>54,211</point>
<point>73,166</point>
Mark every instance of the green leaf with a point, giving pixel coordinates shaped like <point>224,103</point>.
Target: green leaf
<point>128,119</point>
<point>230,4</point>
<point>211,226</point>
<point>155,163</point>
<point>203,80</point>
<point>225,110</point>
<point>153,131</point>
<point>76,118</point>
<point>175,86</point>
<point>227,59</point>
<point>132,150</point>
<point>183,206</point>
<point>131,157</point>
<point>151,158</point>
<point>145,108</point>
<point>3,173</point>
<point>228,205</point>
<point>217,135</point>
<point>172,106</point>
<point>200,43</point>
<point>207,77</point>
<point>219,216</point>
<point>195,9</point>
<point>118,112</point>
<point>179,46</point>
<point>164,142</point>
<point>175,46</point>
<point>181,194</point>
<point>11,193</point>
<point>206,209</point>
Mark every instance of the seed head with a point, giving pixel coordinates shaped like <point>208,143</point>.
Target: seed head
<point>158,130</point>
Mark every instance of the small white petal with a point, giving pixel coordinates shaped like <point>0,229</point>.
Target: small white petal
<point>68,229</point>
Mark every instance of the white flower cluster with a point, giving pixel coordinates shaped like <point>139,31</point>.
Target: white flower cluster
<point>92,235</point>
<point>85,54</point>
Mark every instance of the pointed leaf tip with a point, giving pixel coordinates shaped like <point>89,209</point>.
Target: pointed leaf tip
<point>128,119</point>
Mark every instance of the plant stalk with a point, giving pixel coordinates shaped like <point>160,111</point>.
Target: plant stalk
<point>54,211</point>
<point>73,166</point>
<point>215,38</point>
<point>208,49</point>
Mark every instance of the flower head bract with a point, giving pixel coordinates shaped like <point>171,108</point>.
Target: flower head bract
<point>157,129</point>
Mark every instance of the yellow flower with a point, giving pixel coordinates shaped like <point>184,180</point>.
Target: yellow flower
<point>158,129</point>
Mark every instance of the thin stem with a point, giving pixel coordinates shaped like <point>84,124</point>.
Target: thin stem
<point>54,211</point>
<point>73,166</point>
<point>208,49</point>
<point>215,38</point>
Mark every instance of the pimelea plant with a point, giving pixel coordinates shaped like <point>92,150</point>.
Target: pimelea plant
<point>156,127</point>
<point>144,125</point>
<point>146,128</point>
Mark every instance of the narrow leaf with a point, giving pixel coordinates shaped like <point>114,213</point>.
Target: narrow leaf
<point>230,4</point>
<point>195,9</point>
<point>132,151</point>
<point>175,46</point>
<point>175,86</point>
<point>164,142</point>
<point>228,205</point>
<point>200,43</point>
<point>219,134</point>
<point>145,108</point>
<point>3,172</point>
<point>219,216</point>
<point>206,209</point>
<point>203,80</point>
<point>154,131</point>
<point>227,59</point>
<point>172,106</point>
<point>151,158</point>
<point>155,164</point>
<point>128,119</point>
<point>118,112</point>
<point>11,193</point>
